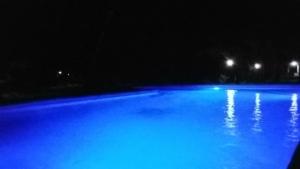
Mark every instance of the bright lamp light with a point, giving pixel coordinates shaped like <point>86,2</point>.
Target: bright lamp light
<point>229,62</point>
<point>294,63</point>
<point>257,66</point>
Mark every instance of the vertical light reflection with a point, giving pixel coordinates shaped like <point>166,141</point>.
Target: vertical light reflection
<point>230,119</point>
<point>293,122</point>
<point>257,114</point>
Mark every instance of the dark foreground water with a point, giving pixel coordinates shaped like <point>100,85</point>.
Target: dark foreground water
<point>192,127</point>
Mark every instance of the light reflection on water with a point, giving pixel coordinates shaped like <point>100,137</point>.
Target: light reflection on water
<point>293,132</point>
<point>230,118</point>
<point>257,114</point>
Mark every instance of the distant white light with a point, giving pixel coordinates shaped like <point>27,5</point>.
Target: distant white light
<point>257,66</point>
<point>216,88</point>
<point>59,72</point>
<point>229,62</point>
<point>294,63</point>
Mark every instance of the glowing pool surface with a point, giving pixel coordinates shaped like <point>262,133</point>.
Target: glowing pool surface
<point>192,127</point>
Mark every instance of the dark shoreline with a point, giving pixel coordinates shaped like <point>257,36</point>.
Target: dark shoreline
<point>16,97</point>
<point>9,97</point>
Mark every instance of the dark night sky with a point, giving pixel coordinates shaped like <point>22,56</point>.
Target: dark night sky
<point>116,38</point>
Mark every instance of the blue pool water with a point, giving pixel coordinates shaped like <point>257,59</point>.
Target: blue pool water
<point>191,127</point>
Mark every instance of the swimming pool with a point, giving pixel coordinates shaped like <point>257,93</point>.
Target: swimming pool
<point>187,127</point>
